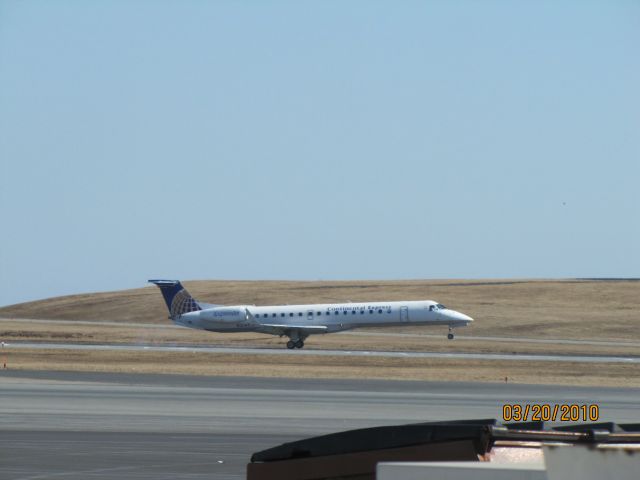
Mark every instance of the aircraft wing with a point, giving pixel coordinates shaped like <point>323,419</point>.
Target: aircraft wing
<point>281,329</point>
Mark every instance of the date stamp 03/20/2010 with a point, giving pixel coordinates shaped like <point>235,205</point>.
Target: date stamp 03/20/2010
<point>548,412</point>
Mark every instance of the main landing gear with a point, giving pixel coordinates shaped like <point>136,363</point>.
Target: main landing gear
<point>450,334</point>
<point>297,344</point>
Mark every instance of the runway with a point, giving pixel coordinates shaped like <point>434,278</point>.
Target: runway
<point>107,426</point>
<point>459,337</point>
<point>340,353</point>
<point>544,341</point>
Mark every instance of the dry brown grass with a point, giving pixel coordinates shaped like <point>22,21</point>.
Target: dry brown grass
<point>15,330</point>
<point>577,309</point>
<point>571,309</point>
<point>294,366</point>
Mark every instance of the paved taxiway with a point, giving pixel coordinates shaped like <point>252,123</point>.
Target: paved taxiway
<point>107,426</point>
<point>340,353</point>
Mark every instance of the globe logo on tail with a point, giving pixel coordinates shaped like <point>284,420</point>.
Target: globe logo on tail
<point>182,303</point>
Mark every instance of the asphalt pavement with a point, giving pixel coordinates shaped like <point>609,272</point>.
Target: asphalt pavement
<point>105,426</point>
<point>628,359</point>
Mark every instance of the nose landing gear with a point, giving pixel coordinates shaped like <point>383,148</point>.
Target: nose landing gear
<point>450,334</point>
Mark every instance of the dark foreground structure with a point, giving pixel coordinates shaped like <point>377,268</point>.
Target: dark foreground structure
<point>464,449</point>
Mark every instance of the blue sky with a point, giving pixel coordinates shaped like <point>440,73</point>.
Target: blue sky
<point>316,140</point>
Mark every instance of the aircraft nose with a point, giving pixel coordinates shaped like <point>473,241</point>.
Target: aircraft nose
<point>461,317</point>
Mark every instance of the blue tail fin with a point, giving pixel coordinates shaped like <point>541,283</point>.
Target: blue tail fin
<point>176,297</point>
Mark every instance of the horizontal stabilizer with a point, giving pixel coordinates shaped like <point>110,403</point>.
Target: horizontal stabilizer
<point>176,297</point>
<point>167,283</point>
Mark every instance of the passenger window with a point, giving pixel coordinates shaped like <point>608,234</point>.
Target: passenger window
<point>282,314</point>
<point>380,310</point>
<point>345,312</point>
<point>353,312</point>
<point>300,314</point>
<point>337,312</point>
<point>361,312</point>
<point>273,315</point>
<point>291,314</point>
<point>319,313</point>
<point>370,312</point>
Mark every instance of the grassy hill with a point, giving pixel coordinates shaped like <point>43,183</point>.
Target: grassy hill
<point>596,309</point>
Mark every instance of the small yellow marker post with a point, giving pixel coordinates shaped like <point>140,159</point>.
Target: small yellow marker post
<point>4,357</point>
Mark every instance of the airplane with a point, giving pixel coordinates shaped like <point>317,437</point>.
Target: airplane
<point>297,322</point>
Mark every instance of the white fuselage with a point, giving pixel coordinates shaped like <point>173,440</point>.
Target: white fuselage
<point>326,317</point>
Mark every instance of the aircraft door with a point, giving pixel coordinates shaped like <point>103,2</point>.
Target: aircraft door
<point>310,315</point>
<point>404,314</point>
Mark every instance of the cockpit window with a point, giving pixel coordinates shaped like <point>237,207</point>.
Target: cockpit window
<point>441,307</point>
